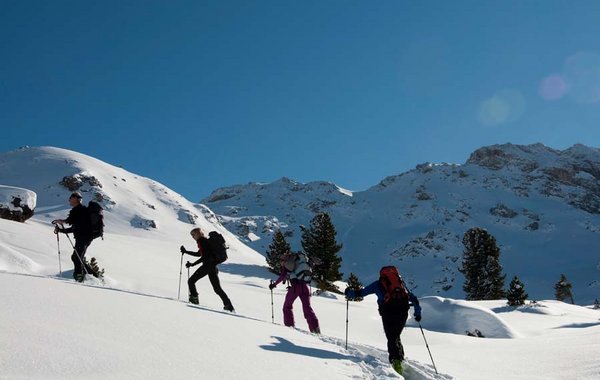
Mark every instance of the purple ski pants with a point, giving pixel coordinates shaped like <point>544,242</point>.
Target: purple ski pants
<point>299,289</point>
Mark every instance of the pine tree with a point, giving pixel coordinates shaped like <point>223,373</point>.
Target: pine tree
<point>318,242</point>
<point>354,284</point>
<point>481,266</point>
<point>95,268</point>
<point>596,304</point>
<point>562,289</point>
<point>276,249</point>
<point>516,293</point>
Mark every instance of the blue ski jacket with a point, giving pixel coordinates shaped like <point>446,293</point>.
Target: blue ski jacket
<point>375,287</point>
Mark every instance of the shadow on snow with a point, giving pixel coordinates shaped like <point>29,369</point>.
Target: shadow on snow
<point>284,345</point>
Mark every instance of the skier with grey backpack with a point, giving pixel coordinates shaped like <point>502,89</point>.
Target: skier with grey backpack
<point>295,268</point>
<point>211,252</point>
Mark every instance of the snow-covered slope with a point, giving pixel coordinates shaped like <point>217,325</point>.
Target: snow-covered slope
<point>133,327</point>
<point>541,204</point>
<point>136,209</point>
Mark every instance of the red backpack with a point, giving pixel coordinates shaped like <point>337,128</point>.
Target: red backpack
<point>394,290</point>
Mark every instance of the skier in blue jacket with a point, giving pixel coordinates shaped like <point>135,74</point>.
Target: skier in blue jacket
<point>394,300</point>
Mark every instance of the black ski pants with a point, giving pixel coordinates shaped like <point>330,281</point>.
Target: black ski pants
<point>213,275</point>
<point>393,324</point>
<point>78,256</point>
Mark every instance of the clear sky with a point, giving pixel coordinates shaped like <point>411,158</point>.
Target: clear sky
<point>204,94</point>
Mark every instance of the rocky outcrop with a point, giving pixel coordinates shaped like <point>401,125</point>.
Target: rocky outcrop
<point>16,204</point>
<point>503,211</point>
<point>77,181</point>
<point>145,224</point>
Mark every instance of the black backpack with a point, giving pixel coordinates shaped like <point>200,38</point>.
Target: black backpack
<point>217,246</point>
<point>96,219</point>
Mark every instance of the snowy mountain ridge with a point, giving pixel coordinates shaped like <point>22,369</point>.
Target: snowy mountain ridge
<point>541,204</point>
<point>134,325</point>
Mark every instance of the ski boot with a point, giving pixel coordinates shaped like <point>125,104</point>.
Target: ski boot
<point>397,365</point>
<point>194,300</point>
<point>229,308</point>
<point>78,277</point>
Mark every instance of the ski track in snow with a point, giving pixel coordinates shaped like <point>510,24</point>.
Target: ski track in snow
<point>372,361</point>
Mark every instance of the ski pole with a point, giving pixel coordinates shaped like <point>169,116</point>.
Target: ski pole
<point>272,307</point>
<point>58,244</point>
<point>428,348</point>
<point>180,270</point>
<point>347,307</point>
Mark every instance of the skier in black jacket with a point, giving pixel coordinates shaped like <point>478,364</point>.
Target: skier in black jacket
<point>79,219</point>
<point>209,267</point>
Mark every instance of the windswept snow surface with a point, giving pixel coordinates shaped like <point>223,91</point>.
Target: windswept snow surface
<point>458,317</point>
<point>133,326</point>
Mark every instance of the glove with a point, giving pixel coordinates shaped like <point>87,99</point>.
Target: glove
<point>183,250</point>
<point>418,318</point>
<point>188,264</point>
<point>272,286</point>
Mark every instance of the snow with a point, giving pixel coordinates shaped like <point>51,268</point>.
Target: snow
<point>253,237</point>
<point>416,220</point>
<point>9,193</point>
<point>344,191</point>
<point>133,327</point>
<point>457,317</point>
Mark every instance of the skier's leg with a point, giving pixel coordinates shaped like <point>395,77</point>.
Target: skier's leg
<point>198,274</point>
<point>290,297</point>
<point>309,314</point>
<point>78,258</point>
<point>82,246</point>
<point>213,276</point>
<point>400,326</point>
<point>392,326</point>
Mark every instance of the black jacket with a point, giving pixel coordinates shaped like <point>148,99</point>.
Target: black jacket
<point>79,219</point>
<point>205,252</point>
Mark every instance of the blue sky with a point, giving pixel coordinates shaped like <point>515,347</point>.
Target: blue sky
<point>203,94</point>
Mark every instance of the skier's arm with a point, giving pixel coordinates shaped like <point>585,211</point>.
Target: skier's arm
<point>192,253</point>
<point>282,276</point>
<point>370,289</point>
<point>415,304</point>
<point>66,230</point>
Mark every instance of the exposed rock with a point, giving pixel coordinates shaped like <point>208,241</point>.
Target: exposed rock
<point>319,205</point>
<point>17,215</point>
<point>17,204</point>
<point>425,167</point>
<point>489,157</point>
<point>588,202</point>
<point>187,216</point>
<point>560,174</point>
<point>140,222</point>
<point>76,182</point>
<point>422,194</point>
<point>503,211</point>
